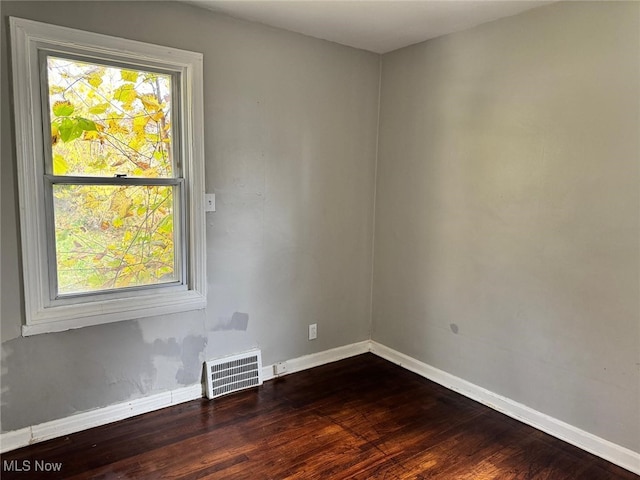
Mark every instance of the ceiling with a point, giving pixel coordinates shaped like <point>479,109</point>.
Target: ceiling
<point>376,25</point>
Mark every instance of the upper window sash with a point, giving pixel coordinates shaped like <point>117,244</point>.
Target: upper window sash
<point>175,101</point>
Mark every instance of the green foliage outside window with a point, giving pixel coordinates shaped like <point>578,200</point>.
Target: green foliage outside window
<point>111,122</point>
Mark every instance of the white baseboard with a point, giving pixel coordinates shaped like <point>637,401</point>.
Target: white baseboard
<point>605,449</point>
<point>94,418</point>
<point>321,358</point>
<point>102,416</point>
<point>15,439</point>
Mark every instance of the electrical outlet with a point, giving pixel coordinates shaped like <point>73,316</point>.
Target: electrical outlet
<point>209,202</point>
<point>279,368</point>
<point>313,331</point>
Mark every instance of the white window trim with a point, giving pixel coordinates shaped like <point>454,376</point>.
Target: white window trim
<point>27,37</point>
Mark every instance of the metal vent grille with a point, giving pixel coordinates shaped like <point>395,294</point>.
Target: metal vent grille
<point>230,374</point>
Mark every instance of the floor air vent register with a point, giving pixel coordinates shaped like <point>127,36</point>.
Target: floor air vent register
<point>234,373</point>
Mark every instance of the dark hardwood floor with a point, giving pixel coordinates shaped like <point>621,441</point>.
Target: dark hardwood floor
<point>360,418</point>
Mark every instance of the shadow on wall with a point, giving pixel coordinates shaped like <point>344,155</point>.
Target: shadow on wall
<point>51,376</point>
<point>238,321</point>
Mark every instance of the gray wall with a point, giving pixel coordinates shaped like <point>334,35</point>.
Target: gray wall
<point>290,140</point>
<point>507,219</point>
<point>507,211</point>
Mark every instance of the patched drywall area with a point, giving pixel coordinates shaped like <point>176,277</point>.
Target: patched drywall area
<point>290,141</point>
<point>507,235</point>
<point>46,377</point>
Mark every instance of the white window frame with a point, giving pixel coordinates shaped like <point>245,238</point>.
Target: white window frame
<point>46,314</point>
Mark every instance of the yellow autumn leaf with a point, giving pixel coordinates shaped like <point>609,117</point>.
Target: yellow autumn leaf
<point>139,123</point>
<point>150,102</point>
<point>90,135</point>
<point>121,203</point>
<point>157,116</point>
<point>55,134</point>
<point>95,79</point>
<point>130,259</point>
<point>60,166</point>
<point>98,109</point>
<point>115,127</point>
<point>136,143</point>
<point>125,94</point>
<point>128,75</point>
<point>63,108</point>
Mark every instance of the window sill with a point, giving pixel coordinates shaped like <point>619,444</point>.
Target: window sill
<point>67,317</point>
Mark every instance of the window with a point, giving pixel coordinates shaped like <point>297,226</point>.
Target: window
<point>110,164</point>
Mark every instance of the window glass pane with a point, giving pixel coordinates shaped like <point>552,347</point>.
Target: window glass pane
<point>108,121</point>
<point>110,237</point>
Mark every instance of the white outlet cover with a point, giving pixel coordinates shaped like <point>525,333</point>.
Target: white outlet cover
<point>313,331</point>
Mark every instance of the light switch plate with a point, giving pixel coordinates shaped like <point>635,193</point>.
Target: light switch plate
<point>209,202</point>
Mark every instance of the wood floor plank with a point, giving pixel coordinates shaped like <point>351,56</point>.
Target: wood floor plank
<point>360,418</point>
